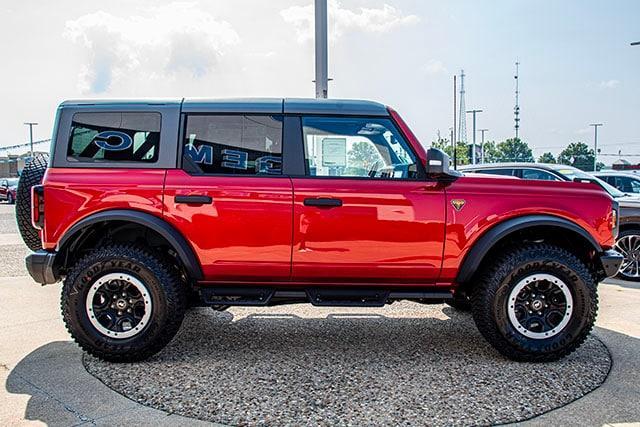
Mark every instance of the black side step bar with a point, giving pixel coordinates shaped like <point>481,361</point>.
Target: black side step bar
<point>322,297</point>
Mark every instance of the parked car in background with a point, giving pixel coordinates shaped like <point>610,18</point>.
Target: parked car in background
<point>628,242</point>
<point>8,188</point>
<point>624,181</point>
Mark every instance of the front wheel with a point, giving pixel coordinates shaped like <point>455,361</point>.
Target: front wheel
<point>536,303</point>
<point>628,244</point>
<point>122,304</point>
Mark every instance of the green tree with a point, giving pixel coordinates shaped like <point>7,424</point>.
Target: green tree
<point>546,158</point>
<point>579,155</point>
<point>491,153</point>
<point>363,155</point>
<point>514,150</point>
<point>462,150</point>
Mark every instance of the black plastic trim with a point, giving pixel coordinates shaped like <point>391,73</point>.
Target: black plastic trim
<point>193,199</point>
<point>175,239</point>
<point>477,253</point>
<point>41,267</point>
<point>611,261</point>
<point>293,162</point>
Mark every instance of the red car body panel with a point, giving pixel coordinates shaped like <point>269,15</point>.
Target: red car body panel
<point>258,229</point>
<point>81,192</point>
<point>385,230</point>
<point>489,201</point>
<point>245,234</point>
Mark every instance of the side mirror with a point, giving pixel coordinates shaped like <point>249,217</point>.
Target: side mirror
<point>437,166</point>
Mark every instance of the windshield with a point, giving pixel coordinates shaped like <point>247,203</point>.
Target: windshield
<point>571,173</point>
<point>12,182</point>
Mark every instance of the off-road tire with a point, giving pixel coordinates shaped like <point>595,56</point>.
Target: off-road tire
<point>460,302</point>
<point>168,296</point>
<point>32,174</point>
<point>490,299</point>
<point>626,233</point>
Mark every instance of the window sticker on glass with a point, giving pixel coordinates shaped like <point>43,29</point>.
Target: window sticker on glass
<point>247,145</point>
<point>113,137</point>
<point>334,152</point>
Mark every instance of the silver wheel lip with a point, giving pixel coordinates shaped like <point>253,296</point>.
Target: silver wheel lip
<point>555,281</point>
<point>625,245</point>
<point>97,284</point>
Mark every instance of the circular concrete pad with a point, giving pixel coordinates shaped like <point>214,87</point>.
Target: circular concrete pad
<point>299,365</point>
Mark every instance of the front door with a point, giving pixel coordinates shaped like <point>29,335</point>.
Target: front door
<point>364,212</point>
<point>230,198</point>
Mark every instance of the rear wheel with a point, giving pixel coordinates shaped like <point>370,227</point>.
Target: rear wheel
<point>536,303</point>
<point>628,244</point>
<point>121,303</point>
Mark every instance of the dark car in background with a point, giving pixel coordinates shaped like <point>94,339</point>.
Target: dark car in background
<point>628,242</point>
<point>624,181</point>
<point>8,187</point>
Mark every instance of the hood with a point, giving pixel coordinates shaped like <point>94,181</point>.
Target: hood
<point>629,201</point>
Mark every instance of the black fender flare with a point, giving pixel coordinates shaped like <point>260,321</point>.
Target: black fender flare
<point>176,240</point>
<point>483,245</point>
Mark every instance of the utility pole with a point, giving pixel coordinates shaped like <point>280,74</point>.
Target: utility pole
<point>322,78</point>
<point>473,145</point>
<point>595,144</point>
<point>31,125</point>
<point>454,143</point>
<point>516,109</point>
<point>482,131</point>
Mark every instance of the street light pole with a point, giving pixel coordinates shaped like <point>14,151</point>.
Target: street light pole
<point>31,125</point>
<point>482,131</point>
<point>322,72</point>
<point>473,146</point>
<point>595,144</point>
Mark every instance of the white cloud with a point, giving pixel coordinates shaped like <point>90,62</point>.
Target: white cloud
<point>169,39</point>
<point>341,19</point>
<point>609,84</point>
<point>434,66</point>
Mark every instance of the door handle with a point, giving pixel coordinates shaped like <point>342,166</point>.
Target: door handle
<point>323,202</point>
<point>194,200</point>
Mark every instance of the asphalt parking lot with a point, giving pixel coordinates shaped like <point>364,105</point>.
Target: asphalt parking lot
<point>45,379</point>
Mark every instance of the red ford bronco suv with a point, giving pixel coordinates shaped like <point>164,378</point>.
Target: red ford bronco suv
<point>148,208</point>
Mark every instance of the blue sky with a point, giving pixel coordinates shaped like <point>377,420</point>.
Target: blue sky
<point>576,63</point>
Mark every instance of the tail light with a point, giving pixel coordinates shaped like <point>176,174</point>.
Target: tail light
<point>37,206</point>
<point>615,220</point>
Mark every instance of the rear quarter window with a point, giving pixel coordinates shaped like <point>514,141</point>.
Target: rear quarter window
<point>115,137</point>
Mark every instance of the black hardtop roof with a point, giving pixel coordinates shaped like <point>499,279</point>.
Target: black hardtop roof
<point>245,105</point>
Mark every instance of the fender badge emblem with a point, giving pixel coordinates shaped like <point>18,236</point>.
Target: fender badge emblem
<point>458,204</point>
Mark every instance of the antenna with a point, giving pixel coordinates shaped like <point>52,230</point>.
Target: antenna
<point>462,121</point>
<point>516,110</point>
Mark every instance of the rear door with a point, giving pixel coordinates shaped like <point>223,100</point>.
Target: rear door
<point>230,198</point>
<point>363,211</point>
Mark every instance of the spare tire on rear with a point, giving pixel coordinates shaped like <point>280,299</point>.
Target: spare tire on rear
<point>32,174</point>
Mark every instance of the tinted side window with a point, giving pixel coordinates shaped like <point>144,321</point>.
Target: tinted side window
<point>356,147</point>
<point>128,137</point>
<point>507,172</point>
<point>627,184</point>
<point>234,144</point>
<point>538,174</point>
